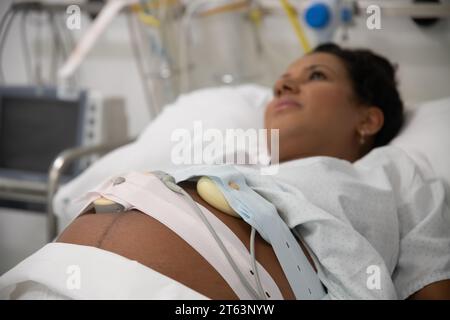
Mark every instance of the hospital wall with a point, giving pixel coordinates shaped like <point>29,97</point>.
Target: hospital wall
<point>423,55</point>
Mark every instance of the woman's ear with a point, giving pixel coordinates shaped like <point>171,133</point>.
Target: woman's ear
<point>372,121</point>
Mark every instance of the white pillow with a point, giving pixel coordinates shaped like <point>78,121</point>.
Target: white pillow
<point>218,108</point>
<point>426,137</point>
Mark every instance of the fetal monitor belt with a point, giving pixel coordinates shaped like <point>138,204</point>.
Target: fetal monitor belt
<point>263,216</point>
<point>146,193</point>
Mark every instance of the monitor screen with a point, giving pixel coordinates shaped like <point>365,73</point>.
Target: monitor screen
<point>35,128</point>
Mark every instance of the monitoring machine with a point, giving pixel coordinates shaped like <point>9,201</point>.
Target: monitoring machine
<point>36,125</point>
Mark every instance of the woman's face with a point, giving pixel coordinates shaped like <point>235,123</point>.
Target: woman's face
<point>315,109</point>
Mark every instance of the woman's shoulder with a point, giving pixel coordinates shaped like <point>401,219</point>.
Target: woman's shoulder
<point>386,154</point>
<point>406,171</point>
<point>391,158</point>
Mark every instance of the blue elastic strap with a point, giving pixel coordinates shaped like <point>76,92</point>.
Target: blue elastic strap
<point>263,216</point>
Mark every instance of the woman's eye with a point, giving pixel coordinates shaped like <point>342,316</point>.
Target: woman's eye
<point>317,75</point>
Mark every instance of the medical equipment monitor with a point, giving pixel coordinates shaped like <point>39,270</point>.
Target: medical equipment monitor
<point>35,126</point>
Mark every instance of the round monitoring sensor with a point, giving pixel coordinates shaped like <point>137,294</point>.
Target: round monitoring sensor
<point>211,193</point>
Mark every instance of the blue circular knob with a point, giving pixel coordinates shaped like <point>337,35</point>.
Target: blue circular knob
<point>317,16</point>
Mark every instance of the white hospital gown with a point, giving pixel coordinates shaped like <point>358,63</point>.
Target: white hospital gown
<point>381,212</point>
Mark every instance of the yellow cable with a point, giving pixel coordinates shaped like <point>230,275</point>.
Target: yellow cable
<point>256,16</point>
<point>290,12</point>
<point>148,19</point>
<point>225,8</point>
<point>144,17</point>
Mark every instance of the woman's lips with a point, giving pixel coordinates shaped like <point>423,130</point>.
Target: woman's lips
<point>284,103</point>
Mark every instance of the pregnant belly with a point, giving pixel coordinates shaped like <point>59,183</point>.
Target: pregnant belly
<point>139,237</point>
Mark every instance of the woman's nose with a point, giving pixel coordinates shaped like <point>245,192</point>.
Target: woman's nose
<point>288,86</point>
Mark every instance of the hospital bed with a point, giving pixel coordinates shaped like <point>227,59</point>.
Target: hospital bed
<point>418,137</point>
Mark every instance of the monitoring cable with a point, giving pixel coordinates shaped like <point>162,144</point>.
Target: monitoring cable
<point>169,181</point>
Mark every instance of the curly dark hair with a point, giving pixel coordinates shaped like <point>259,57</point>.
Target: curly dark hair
<point>374,83</point>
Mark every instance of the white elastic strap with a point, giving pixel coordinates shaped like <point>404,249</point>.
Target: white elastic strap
<point>149,195</point>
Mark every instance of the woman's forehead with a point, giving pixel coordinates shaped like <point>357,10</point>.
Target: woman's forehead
<point>323,59</point>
